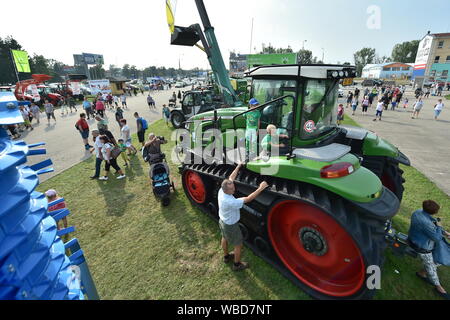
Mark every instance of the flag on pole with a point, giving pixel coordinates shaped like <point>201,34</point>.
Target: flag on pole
<point>170,17</point>
<point>21,60</point>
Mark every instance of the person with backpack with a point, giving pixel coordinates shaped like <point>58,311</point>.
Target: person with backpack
<point>110,154</point>
<point>142,125</point>
<point>83,127</point>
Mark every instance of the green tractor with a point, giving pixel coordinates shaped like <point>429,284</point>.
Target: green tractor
<point>323,220</point>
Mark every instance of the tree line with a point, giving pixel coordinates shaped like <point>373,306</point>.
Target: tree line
<point>402,52</point>
<point>42,65</point>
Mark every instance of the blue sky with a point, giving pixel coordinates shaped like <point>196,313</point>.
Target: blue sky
<point>135,31</point>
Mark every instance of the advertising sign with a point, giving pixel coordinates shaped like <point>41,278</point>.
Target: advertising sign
<point>97,86</point>
<point>76,88</point>
<point>90,58</point>
<point>21,60</point>
<point>269,59</point>
<point>423,54</point>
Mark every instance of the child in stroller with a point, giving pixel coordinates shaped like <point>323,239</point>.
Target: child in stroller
<point>160,175</point>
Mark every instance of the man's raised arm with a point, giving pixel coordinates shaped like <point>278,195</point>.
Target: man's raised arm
<point>235,172</point>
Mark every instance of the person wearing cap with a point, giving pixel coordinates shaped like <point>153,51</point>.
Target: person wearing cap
<point>252,119</point>
<point>52,195</point>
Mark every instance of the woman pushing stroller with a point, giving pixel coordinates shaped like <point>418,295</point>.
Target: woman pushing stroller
<point>152,148</point>
<point>159,170</point>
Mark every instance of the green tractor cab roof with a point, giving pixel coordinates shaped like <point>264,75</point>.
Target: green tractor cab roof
<point>314,71</point>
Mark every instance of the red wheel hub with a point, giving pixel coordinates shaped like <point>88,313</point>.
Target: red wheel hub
<point>316,249</point>
<point>195,186</point>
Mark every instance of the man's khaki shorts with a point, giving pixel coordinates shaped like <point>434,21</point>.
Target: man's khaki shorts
<point>232,233</point>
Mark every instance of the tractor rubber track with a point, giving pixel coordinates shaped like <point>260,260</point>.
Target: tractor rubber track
<point>367,232</point>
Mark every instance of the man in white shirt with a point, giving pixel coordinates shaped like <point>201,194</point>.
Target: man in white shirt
<point>229,215</point>
<point>438,109</point>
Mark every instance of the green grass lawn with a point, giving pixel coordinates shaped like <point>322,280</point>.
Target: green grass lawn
<point>137,249</point>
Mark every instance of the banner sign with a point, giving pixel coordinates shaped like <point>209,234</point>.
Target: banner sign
<point>423,53</point>
<point>170,17</point>
<point>270,59</point>
<point>90,58</point>
<point>21,60</point>
<point>97,86</point>
<point>75,87</point>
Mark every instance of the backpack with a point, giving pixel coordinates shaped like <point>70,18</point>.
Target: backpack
<point>144,124</point>
<point>115,152</point>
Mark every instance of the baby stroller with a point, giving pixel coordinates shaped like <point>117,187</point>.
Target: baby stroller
<point>159,174</point>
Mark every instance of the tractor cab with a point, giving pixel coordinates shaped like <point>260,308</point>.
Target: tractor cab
<point>299,100</point>
<point>193,103</point>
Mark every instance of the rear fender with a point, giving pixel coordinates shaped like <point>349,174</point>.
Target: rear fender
<point>361,186</point>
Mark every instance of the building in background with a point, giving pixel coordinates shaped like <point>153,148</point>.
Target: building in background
<point>85,59</point>
<point>389,70</point>
<point>238,64</point>
<point>433,59</point>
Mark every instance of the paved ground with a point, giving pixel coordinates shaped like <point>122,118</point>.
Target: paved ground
<point>425,141</point>
<point>63,142</point>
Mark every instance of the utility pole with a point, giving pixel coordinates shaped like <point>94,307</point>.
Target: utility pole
<point>303,47</point>
<point>251,37</point>
<point>323,55</point>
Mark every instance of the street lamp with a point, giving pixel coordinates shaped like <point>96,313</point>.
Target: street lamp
<point>323,55</point>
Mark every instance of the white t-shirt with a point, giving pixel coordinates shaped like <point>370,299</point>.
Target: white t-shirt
<point>123,98</point>
<point>125,133</point>
<point>229,207</point>
<point>439,107</point>
<point>98,146</point>
<point>116,99</point>
<point>105,147</point>
<point>380,106</point>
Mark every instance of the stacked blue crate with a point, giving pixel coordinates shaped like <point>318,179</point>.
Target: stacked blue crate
<point>33,263</point>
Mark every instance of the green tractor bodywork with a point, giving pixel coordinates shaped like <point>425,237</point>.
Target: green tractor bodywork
<point>286,100</point>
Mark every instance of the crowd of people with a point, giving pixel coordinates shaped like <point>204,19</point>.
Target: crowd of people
<point>393,96</point>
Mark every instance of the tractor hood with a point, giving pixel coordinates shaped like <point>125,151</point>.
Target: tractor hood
<point>223,113</point>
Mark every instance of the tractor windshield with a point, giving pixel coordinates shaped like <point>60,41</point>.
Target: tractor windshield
<point>280,113</point>
<point>319,110</point>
